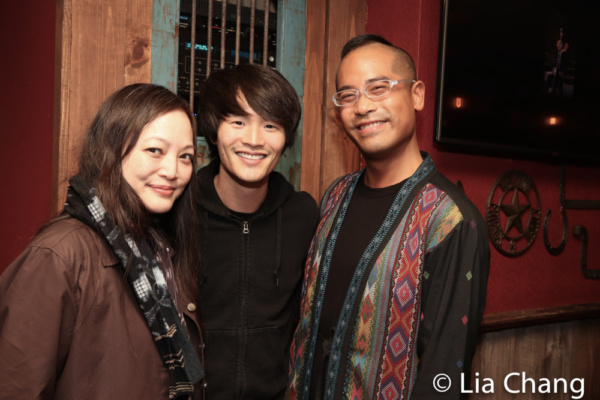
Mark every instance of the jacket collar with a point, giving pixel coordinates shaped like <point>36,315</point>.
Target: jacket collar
<point>108,258</point>
<point>278,191</point>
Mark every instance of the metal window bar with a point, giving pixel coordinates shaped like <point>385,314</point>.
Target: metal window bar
<point>252,22</point>
<point>266,33</point>
<point>209,37</point>
<point>193,57</point>
<point>223,31</point>
<point>223,27</point>
<point>238,29</point>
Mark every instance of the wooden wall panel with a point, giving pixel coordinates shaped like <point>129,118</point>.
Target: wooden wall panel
<point>567,350</point>
<point>326,151</point>
<point>138,42</point>
<point>165,43</point>
<point>101,46</point>
<point>312,126</point>
<point>291,39</point>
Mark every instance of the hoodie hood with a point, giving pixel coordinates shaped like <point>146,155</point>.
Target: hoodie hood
<point>278,192</point>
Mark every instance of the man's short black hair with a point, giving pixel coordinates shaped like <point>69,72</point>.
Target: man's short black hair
<point>363,40</point>
<point>404,59</point>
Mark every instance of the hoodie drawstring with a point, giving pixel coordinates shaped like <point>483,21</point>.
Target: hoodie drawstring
<point>204,246</point>
<point>278,246</point>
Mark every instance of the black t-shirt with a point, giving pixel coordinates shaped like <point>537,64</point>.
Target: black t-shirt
<point>365,215</point>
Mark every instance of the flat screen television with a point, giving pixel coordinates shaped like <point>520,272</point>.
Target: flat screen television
<point>520,79</point>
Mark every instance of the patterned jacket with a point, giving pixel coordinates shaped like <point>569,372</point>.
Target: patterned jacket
<point>415,303</point>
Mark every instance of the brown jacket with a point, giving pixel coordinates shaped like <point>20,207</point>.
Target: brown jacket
<point>70,327</point>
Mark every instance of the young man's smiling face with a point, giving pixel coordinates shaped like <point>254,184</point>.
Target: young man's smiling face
<point>382,127</point>
<point>249,147</point>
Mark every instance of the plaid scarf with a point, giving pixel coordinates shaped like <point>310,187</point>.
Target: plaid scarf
<point>149,287</point>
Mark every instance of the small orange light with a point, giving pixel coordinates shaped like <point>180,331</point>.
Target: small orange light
<point>552,121</point>
<point>458,102</point>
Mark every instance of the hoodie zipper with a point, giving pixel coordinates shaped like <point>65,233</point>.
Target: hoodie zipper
<point>241,384</point>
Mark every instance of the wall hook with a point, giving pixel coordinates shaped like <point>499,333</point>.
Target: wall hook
<point>558,249</point>
<point>579,230</point>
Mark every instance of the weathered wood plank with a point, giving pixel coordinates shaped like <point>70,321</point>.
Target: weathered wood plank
<point>520,318</point>
<point>565,350</point>
<point>165,39</point>
<point>336,154</point>
<point>138,34</point>
<point>291,36</point>
<point>103,46</point>
<point>313,98</point>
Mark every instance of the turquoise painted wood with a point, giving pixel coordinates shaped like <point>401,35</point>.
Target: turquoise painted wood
<point>291,42</point>
<point>165,53</point>
<point>165,20</point>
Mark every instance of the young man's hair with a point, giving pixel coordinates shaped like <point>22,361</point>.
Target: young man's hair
<point>267,92</point>
<point>404,60</point>
<point>111,136</point>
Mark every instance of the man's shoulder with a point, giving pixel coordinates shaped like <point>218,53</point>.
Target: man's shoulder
<point>456,196</point>
<point>345,179</point>
<point>303,200</point>
<point>341,183</point>
<point>453,214</point>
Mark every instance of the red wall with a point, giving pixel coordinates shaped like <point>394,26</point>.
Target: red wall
<point>26,118</point>
<point>535,279</point>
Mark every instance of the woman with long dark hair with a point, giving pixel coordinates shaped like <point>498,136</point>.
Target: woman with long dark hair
<point>102,302</point>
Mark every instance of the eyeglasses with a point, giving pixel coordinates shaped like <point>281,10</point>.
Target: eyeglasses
<point>374,90</point>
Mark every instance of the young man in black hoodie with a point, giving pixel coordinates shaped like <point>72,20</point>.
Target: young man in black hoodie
<point>256,232</point>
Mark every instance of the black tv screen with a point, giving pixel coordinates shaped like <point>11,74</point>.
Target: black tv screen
<point>520,79</point>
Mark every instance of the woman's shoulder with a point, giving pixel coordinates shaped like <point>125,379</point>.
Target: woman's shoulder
<point>61,230</point>
<point>60,252</point>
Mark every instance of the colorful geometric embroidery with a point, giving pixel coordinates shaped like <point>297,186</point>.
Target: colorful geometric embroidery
<point>381,359</point>
<point>405,293</point>
<point>353,290</point>
<point>447,216</point>
<point>302,350</point>
<point>405,310</point>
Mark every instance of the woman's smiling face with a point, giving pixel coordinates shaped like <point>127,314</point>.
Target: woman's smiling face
<point>160,164</point>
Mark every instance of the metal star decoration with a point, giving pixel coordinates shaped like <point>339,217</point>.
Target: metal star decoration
<point>513,212</point>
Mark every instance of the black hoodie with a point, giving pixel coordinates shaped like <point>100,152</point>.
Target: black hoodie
<point>253,266</point>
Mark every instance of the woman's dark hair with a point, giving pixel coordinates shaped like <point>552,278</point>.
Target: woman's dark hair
<point>110,137</point>
<point>267,92</point>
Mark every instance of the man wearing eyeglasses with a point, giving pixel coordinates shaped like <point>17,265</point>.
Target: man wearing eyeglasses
<point>396,277</point>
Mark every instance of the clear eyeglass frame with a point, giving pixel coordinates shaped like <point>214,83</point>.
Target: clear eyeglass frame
<point>373,91</point>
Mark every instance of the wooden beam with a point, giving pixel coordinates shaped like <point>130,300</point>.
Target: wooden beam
<point>102,46</point>
<point>327,153</point>
<point>165,43</point>
<point>521,318</point>
<point>291,38</point>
